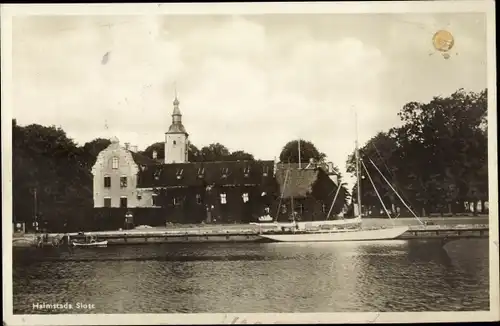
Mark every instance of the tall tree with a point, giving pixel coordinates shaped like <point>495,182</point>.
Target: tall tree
<point>241,156</point>
<point>215,152</point>
<point>438,157</point>
<point>91,149</point>
<point>158,147</point>
<point>50,177</point>
<point>290,152</point>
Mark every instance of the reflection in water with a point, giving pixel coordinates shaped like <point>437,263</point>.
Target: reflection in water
<point>272,277</point>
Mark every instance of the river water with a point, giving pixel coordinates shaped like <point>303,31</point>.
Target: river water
<point>251,277</point>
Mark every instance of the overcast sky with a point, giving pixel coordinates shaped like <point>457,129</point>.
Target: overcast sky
<point>249,82</point>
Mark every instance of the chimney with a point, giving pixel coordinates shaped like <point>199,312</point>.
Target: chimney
<point>335,178</point>
<point>330,167</point>
<point>311,164</point>
<point>133,148</point>
<point>155,155</point>
<point>127,145</point>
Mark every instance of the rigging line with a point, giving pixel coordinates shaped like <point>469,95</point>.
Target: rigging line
<point>376,191</point>
<point>391,173</point>
<point>282,194</point>
<point>333,202</point>
<point>388,183</point>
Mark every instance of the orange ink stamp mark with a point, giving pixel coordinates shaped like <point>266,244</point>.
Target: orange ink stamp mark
<point>443,42</point>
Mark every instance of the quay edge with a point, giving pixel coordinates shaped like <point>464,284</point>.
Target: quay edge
<point>137,237</point>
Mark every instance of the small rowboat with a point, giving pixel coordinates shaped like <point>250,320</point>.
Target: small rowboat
<point>90,244</point>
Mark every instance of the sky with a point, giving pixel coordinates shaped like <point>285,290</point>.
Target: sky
<point>252,83</point>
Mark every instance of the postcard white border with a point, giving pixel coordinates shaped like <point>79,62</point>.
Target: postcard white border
<point>8,11</point>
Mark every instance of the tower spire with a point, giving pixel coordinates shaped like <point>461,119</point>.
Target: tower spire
<point>176,100</point>
<point>176,138</point>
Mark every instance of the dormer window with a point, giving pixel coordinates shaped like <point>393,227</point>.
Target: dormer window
<point>157,175</point>
<point>201,172</point>
<point>246,171</point>
<point>265,171</point>
<point>114,163</point>
<point>179,173</point>
<point>224,172</point>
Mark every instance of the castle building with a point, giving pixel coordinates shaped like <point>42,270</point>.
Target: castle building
<point>178,190</point>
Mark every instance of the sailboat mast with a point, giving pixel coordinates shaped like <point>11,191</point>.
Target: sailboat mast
<point>358,177</point>
<point>299,154</point>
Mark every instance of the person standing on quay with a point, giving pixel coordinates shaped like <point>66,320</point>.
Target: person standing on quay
<point>129,220</point>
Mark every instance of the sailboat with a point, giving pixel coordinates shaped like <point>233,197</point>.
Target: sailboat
<point>340,230</point>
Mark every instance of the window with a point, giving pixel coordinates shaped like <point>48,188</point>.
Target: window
<point>224,172</point>
<point>323,208</point>
<point>139,196</point>
<point>246,171</point>
<point>283,209</point>
<point>155,200</point>
<point>107,182</point>
<point>198,199</point>
<point>115,163</point>
<point>245,197</point>
<point>265,170</point>
<point>223,199</point>
<point>177,201</point>
<point>175,143</point>
<point>123,182</point>
<point>179,173</point>
<point>123,202</point>
<point>201,172</point>
<point>107,202</point>
<point>301,208</point>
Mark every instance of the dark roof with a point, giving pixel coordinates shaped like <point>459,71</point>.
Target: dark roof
<point>294,182</point>
<point>206,173</point>
<point>306,166</point>
<point>140,159</point>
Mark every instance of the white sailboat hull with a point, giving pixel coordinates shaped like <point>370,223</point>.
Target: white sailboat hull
<point>339,235</point>
<point>311,224</point>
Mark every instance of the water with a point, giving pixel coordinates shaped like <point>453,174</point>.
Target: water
<point>245,278</point>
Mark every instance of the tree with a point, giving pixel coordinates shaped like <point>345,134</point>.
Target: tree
<point>194,154</point>
<point>50,176</point>
<point>159,147</point>
<point>215,152</point>
<point>290,152</point>
<point>241,156</point>
<point>438,157</point>
<point>91,149</point>
<point>211,153</point>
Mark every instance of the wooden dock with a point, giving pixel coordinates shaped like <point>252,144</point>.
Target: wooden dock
<point>445,233</point>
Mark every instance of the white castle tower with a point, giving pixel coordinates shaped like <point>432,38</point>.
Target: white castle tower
<point>176,138</point>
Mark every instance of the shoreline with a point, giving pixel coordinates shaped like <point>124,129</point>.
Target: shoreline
<point>225,233</point>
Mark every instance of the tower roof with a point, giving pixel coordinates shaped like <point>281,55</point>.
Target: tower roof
<point>177,128</point>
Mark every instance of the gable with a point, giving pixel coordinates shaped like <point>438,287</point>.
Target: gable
<point>305,182</point>
<point>124,159</point>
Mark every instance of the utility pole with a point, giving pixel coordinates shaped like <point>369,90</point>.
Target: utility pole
<point>35,223</point>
